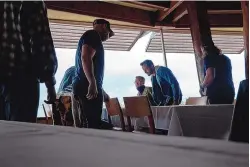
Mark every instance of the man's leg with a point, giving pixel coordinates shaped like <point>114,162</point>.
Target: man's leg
<point>93,110</point>
<point>2,108</point>
<point>22,100</point>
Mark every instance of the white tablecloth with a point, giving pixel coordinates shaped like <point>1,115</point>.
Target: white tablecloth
<point>210,121</point>
<point>25,145</point>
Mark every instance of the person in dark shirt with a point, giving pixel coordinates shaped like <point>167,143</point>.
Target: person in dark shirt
<point>66,83</point>
<point>27,57</point>
<point>218,81</point>
<point>166,89</point>
<point>88,81</point>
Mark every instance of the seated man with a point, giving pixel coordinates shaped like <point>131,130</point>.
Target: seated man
<point>166,89</point>
<point>143,90</point>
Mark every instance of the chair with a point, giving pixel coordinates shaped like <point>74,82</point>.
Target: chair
<point>47,119</point>
<point>65,109</point>
<point>113,108</point>
<point>197,101</point>
<point>139,107</point>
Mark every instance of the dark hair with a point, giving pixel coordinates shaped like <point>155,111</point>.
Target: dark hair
<point>141,78</point>
<point>213,49</point>
<point>147,63</point>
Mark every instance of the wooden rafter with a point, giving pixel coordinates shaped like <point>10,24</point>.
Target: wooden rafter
<point>103,10</point>
<point>180,12</point>
<point>173,5</point>
<point>212,8</point>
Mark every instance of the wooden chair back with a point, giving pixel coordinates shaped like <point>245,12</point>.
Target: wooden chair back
<point>197,101</point>
<point>47,119</point>
<point>114,109</point>
<point>137,107</point>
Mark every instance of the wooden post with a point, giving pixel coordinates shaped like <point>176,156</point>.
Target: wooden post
<point>200,31</point>
<point>245,14</point>
<point>163,48</point>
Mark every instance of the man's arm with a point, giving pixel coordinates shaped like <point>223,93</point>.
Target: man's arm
<point>166,90</point>
<point>42,45</point>
<point>87,55</point>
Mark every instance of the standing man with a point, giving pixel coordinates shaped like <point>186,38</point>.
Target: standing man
<point>27,57</point>
<point>87,84</point>
<point>166,89</point>
<point>143,90</point>
<point>218,80</point>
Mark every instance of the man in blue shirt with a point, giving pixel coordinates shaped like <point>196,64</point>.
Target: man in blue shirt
<point>66,83</point>
<point>87,84</point>
<point>166,89</point>
<point>218,77</point>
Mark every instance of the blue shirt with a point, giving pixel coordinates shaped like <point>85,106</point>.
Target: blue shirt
<point>223,81</point>
<point>66,83</point>
<point>165,86</point>
<point>92,39</point>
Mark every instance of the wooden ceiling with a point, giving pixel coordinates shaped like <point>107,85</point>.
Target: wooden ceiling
<point>152,14</point>
<point>182,43</point>
<point>134,18</point>
<point>67,35</point>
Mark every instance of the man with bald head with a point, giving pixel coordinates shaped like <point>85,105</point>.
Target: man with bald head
<point>143,90</point>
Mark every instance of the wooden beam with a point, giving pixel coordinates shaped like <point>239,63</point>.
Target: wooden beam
<point>223,5</point>
<point>148,4</point>
<point>245,11</point>
<point>200,31</point>
<point>233,20</point>
<point>103,10</point>
<point>163,4</point>
<point>173,5</point>
<point>182,11</point>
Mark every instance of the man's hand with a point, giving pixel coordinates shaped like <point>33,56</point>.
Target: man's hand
<point>92,91</point>
<point>175,103</point>
<point>51,95</point>
<point>202,91</point>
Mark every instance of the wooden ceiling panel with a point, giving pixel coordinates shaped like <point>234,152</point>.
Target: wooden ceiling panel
<point>182,43</point>
<point>68,35</point>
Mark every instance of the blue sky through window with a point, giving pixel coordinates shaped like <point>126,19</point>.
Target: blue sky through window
<point>122,67</point>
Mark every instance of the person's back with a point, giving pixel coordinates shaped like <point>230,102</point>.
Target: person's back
<point>168,82</point>
<point>27,57</point>
<point>222,86</point>
<point>223,72</point>
<point>98,60</point>
<point>66,83</point>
